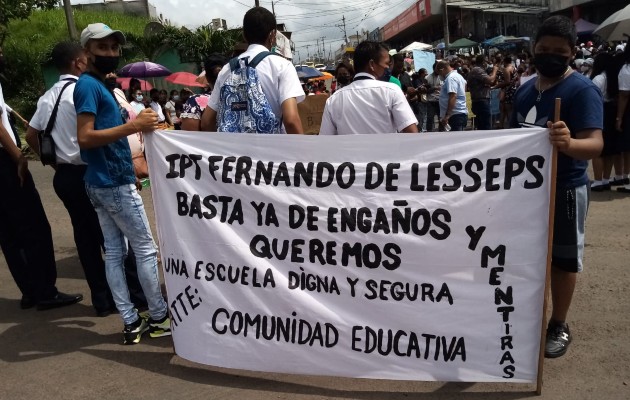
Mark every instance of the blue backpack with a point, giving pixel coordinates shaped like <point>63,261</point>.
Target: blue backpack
<point>243,107</point>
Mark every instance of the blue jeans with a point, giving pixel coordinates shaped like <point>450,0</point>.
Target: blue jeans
<point>483,118</point>
<point>121,214</point>
<point>458,122</point>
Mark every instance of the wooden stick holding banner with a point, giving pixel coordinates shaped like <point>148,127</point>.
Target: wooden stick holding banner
<point>552,208</point>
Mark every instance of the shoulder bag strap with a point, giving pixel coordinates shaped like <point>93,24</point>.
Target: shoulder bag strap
<point>53,116</point>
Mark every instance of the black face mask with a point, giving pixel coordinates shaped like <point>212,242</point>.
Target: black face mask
<point>551,65</point>
<point>344,80</point>
<point>104,64</point>
<point>386,75</point>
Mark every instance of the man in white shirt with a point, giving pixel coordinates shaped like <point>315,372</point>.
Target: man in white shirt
<point>25,235</point>
<point>155,106</point>
<point>277,76</point>
<point>368,105</point>
<point>453,108</point>
<point>70,60</point>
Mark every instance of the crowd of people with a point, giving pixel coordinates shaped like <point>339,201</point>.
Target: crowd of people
<point>99,128</point>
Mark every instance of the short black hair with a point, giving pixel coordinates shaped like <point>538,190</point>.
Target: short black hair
<point>153,91</point>
<point>345,65</point>
<point>64,53</point>
<point>398,57</point>
<point>258,22</point>
<point>367,51</point>
<point>560,26</point>
<point>480,59</point>
<point>214,60</point>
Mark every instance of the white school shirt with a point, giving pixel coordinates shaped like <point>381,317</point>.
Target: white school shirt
<point>65,130</point>
<point>624,78</point>
<point>155,106</point>
<point>278,79</point>
<point>366,106</point>
<point>4,116</point>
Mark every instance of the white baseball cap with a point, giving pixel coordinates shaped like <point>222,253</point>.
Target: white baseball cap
<point>100,31</point>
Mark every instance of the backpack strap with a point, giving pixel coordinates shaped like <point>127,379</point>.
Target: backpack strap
<point>260,57</point>
<point>235,63</point>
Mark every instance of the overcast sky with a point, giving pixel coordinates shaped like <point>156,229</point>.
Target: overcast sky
<point>309,20</point>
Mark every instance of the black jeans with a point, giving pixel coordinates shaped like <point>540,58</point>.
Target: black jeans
<point>433,109</point>
<point>25,235</point>
<point>70,188</point>
<point>483,117</point>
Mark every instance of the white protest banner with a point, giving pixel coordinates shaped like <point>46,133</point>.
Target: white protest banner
<point>400,256</point>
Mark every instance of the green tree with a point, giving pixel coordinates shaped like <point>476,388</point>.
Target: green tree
<point>20,9</point>
<point>194,46</point>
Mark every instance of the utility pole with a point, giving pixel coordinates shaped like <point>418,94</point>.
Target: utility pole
<point>345,35</point>
<point>446,34</point>
<point>308,55</point>
<point>72,28</point>
<point>317,56</point>
<point>323,49</point>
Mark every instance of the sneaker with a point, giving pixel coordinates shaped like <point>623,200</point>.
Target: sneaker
<point>160,328</point>
<point>558,340</point>
<point>133,332</point>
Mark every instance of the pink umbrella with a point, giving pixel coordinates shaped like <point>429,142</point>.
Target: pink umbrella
<point>124,82</point>
<point>184,79</point>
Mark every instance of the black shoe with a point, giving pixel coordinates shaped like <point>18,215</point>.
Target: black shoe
<point>27,302</point>
<point>618,182</point>
<point>558,340</point>
<point>600,188</point>
<point>60,300</point>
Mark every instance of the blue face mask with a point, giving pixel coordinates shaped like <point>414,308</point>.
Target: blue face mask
<point>176,98</point>
<point>139,98</point>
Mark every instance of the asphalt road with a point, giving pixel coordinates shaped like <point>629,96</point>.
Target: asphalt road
<point>69,353</point>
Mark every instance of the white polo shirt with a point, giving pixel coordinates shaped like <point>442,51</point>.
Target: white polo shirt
<point>5,117</point>
<point>65,130</point>
<point>278,79</point>
<point>366,106</point>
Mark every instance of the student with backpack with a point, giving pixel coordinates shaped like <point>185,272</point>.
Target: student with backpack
<point>257,92</point>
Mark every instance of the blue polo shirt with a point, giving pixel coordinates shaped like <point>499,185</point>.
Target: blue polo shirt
<point>582,107</point>
<point>109,165</point>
